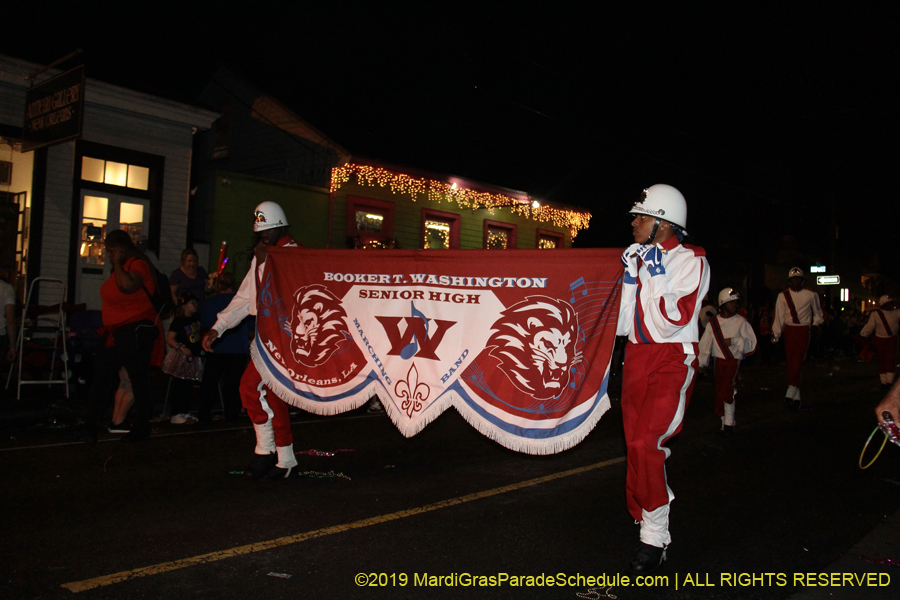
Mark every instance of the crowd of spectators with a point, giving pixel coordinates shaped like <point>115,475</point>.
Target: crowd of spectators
<point>136,337</point>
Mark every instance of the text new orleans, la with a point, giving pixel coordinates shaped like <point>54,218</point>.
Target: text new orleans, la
<point>429,279</point>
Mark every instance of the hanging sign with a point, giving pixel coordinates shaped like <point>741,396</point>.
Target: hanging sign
<point>53,110</point>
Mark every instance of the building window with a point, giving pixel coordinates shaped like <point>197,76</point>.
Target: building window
<point>115,173</point>
<point>131,219</point>
<point>550,240</point>
<point>93,230</point>
<point>440,230</point>
<point>499,236</point>
<point>370,223</point>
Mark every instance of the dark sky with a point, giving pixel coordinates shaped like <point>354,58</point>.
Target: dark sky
<point>772,119</point>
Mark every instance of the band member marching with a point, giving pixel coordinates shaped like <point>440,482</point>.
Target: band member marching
<point>274,455</point>
<point>663,285</point>
<point>797,310</point>
<point>729,338</point>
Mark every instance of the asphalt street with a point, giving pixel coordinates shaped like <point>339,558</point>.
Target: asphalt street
<point>781,510</point>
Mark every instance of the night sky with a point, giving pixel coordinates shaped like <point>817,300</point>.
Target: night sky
<point>773,119</point>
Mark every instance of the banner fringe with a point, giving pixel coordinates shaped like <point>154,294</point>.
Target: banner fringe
<point>408,428</point>
<point>537,447</point>
<point>317,408</point>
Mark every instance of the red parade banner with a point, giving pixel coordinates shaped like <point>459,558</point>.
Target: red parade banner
<point>518,341</point>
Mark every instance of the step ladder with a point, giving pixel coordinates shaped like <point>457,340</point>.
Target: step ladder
<point>46,322</point>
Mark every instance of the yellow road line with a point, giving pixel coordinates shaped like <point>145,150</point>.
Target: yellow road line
<point>88,584</point>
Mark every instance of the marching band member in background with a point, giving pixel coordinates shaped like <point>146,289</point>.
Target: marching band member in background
<point>884,322</point>
<point>729,338</point>
<point>796,311</point>
<point>274,454</point>
<point>663,285</point>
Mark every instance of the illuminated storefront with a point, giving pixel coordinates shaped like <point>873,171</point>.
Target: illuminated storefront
<point>127,167</point>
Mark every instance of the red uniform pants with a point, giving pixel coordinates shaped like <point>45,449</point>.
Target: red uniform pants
<point>726,376</point>
<point>657,383</point>
<point>796,342</point>
<point>256,409</point>
<point>886,349</point>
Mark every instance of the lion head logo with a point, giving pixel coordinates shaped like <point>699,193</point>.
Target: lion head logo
<point>534,341</point>
<point>317,325</point>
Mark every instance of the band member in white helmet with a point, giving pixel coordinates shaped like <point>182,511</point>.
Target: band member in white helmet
<point>729,338</point>
<point>274,454</point>
<point>884,322</point>
<point>797,310</point>
<point>662,288</point>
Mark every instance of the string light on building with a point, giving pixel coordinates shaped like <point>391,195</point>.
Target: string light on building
<point>438,235</point>
<point>497,240</point>
<point>441,191</point>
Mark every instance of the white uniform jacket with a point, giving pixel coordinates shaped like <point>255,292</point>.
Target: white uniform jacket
<point>809,311</point>
<point>875,324</point>
<point>244,302</point>
<point>706,313</point>
<point>664,308</point>
<point>737,329</point>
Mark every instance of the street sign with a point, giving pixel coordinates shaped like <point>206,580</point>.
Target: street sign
<point>828,279</point>
<point>817,269</point>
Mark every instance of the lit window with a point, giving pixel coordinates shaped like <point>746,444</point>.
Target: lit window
<point>369,221</point>
<point>95,208</point>
<point>440,230</point>
<point>497,239</point>
<point>437,235</point>
<point>366,221</point>
<point>93,230</point>
<point>499,236</point>
<point>92,169</point>
<point>131,219</point>
<point>549,240</point>
<point>116,173</point>
<point>138,177</point>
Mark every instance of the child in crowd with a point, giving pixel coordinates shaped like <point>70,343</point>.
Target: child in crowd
<point>729,337</point>
<point>183,359</point>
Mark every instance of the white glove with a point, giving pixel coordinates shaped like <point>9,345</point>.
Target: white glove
<point>652,257</point>
<point>629,262</point>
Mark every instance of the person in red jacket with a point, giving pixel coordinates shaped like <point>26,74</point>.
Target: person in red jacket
<point>132,335</point>
<point>274,455</point>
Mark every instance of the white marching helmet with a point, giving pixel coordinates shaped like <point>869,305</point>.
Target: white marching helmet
<point>884,300</point>
<point>663,202</point>
<point>796,272</point>
<point>268,215</point>
<point>727,295</point>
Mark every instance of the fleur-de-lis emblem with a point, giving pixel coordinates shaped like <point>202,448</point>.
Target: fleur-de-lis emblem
<point>412,392</point>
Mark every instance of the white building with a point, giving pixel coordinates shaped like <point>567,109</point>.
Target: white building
<point>129,169</point>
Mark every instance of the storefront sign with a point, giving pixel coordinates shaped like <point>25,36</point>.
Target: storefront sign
<point>53,110</point>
